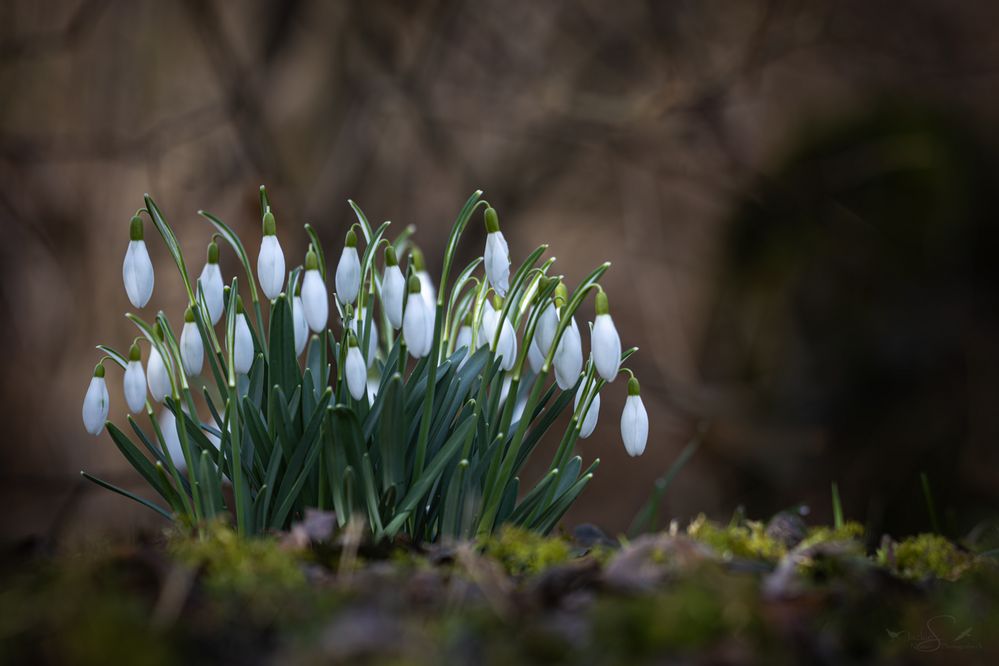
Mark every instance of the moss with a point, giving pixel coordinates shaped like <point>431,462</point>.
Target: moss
<point>258,569</point>
<point>746,540</point>
<point>925,556</point>
<point>849,531</point>
<point>525,552</point>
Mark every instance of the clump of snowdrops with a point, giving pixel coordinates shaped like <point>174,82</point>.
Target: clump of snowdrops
<point>417,409</point>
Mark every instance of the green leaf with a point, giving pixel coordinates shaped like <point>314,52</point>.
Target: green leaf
<point>115,489</point>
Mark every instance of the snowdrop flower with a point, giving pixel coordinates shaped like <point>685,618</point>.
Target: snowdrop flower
<point>590,418</point>
<point>605,342</point>
<point>137,271</point>
<point>212,285</point>
<point>270,261</point>
<point>315,303</point>
<point>96,402</point>
<point>569,357</point>
<point>464,337</point>
<point>135,381</point>
<point>157,375</point>
<point>192,350</point>
<point>497,255</point>
<point>168,426</point>
<point>634,421</point>
<point>506,346</point>
<point>300,323</point>
<point>414,321</point>
<point>348,271</point>
<point>354,369</point>
<point>548,322</point>
<point>243,343</point>
<point>356,324</point>
<point>393,289</point>
<point>427,290</point>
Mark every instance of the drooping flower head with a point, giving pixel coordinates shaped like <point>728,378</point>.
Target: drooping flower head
<point>96,403</point>
<point>243,341</point>
<point>497,254</point>
<point>137,270</point>
<point>135,380</point>
<point>211,284</point>
<point>393,289</point>
<point>634,421</point>
<point>157,375</point>
<point>192,350</point>
<point>348,271</point>
<point>355,370</point>
<point>299,322</point>
<point>315,302</point>
<point>605,341</point>
<point>414,321</point>
<point>589,418</point>
<point>270,261</point>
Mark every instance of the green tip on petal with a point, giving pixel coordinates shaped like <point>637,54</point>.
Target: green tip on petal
<point>497,302</point>
<point>602,306</point>
<point>239,305</point>
<point>561,294</point>
<point>135,229</point>
<point>99,370</point>
<point>414,284</point>
<point>390,258</point>
<point>633,387</point>
<point>134,353</point>
<point>351,239</point>
<point>213,252</point>
<point>189,316</point>
<point>311,260</point>
<point>351,339</point>
<point>418,263</point>
<point>270,225</point>
<point>492,220</point>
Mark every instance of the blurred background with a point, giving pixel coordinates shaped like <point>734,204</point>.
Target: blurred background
<point>798,199</point>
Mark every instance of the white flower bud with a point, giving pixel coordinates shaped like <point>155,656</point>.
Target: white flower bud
<point>301,325</point>
<point>589,420</point>
<point>314,299</point>
<point>497,255</point>
<point>547,326</point>
<point>605,342</point>
<point>157,376</point>
<point>534,356</point>
<point>96,403</point>
<point>393,291</point>
<point>356,325</point>
<point>569,357</point>
<point>634,421</point>
<point>464,338</point>
<point>171,437</point>
<point>414,323</point>
<point>348,271</point>
<point>243,342</point>
<point>137,269</point>
<point>355,371</point>
<point>270,266</point>
<point>213,287</point>
<point>192,350</point>
<point>135,386</point>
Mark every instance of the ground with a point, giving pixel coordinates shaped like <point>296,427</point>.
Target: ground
<point>749,592</point>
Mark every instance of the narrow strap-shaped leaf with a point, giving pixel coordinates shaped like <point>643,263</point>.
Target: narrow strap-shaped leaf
<point>124,493</point>
<point>141,463</point>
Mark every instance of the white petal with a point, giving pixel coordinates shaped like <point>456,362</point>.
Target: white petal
<point>547,326</point>
<point>427,290</point>
<point>301,325</point>
<point>135,386</point>
<point>270,266</point>
<point>487,329</point>
<point>137,273</point>
<point>393,290</point>
<point>464,338</point>
<point>606,345</point>
<point>569,357</point>
<point>634,425</point>
<point>348,275</point>
<point>244,345</point>
<point>357,325</point>
<point>192,350</point>
<point>317,305</point>
<point>212,285</point>
<point>507,347</point>
<point>590,418</point>
<point>157,376</point>
<point>497,261</point>
<point>535,357</point>
<point>355,372</point>
<point>414,326</point>
<point>95,406</point>
<point>168,426</point>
